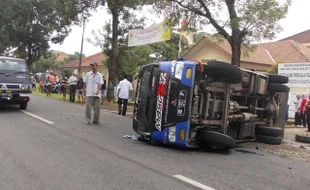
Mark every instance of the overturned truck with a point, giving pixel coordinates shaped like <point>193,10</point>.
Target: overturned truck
<point>191,104</point>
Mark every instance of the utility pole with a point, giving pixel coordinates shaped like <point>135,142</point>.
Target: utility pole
<point>81,52</point>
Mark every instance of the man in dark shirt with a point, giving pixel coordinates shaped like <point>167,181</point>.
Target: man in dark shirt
<point>79,88</point>
<point>103,90</point>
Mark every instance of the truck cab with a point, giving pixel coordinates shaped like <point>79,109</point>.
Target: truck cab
<point>15,83</point>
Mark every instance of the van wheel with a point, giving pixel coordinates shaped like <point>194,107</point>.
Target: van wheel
<point>223,71</point>
<point>215,139</point>
<point>279,79</point>
<point>23,105</point>
<point>268,131</point>
<point>269,140</point>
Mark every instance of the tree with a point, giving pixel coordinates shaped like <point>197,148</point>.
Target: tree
<point>128,59</point>
<point>30,25</point>
<point>169,49</point>
<point>241,22</point>
<point>73,57</point>
<point>117,8</point>
<point>46,62</point>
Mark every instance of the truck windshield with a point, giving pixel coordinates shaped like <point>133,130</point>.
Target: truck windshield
<point>13,65</point>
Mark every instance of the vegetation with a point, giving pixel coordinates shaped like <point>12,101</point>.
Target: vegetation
<point>30,25</point>
<point>48,61</point>
<point>240,22</point>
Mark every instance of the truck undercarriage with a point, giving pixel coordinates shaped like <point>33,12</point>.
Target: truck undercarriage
<point>231,105</point>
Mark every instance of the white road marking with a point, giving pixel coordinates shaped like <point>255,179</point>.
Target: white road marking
<point>194,183</point>
<point>37,117</point>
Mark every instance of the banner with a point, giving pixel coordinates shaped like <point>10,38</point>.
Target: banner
<point>298,74</point>
<point>157,33</point>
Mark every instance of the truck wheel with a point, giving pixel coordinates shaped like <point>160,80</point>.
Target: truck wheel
<point>269,140</point>
<point>279,79</point>
<point>223,71</point>
<point>268,131</point>
<point>220,140</point>
<point>274,87</point>
<point>302,138</point>
<point>23,105</point>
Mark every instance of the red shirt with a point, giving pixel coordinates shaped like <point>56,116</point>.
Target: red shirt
<point>303,105</point>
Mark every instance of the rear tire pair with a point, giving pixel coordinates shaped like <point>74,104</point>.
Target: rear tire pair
<point>268,135</point>
<point>276,83</point>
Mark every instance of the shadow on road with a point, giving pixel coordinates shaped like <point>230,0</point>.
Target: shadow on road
<point>9,108</point>
<point>195,150</point>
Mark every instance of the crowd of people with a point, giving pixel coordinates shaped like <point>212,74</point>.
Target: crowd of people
<point>90,89</point>
<point>302,111</point>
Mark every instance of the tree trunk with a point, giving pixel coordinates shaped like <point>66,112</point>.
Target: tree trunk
<point>235,44</point>
<point>113,60</point>
<point>29,58</point>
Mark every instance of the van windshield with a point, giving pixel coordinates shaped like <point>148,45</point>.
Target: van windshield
<point>13,65</point>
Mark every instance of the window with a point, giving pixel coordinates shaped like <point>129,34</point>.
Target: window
<point>13,65</point>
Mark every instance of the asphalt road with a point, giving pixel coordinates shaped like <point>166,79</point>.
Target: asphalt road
<point>49,147</point>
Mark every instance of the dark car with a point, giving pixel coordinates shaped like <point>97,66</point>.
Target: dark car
<point>15,83</point>
<point>190,104</point>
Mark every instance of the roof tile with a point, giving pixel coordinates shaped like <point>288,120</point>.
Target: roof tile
<point>302,37</point>
<point>288,51</point>
<point>99,58</point>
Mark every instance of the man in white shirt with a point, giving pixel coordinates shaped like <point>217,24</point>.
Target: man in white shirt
<point>91,89</point>
<point>72,82</point>
<point>123,90</point>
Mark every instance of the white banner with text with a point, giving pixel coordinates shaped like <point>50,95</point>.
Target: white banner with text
<point>298,74</point>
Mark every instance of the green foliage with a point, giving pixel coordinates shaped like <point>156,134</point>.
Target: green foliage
<point>68,73</point>
<point>31,24</point>
<point>169,49</point>
<point>73,57</point>
<point>274,69</point>
<point>198,36</point>
<point>130,59</point>
<point>46,62</point>
<point>239,22</point>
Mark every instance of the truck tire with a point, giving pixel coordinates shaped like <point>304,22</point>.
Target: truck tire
<point>274,87</point>
<point>269,140</point>
<point>268,131</point>
<point>223,71</point>
<point>278,79</point>
<point>23,105</point>
<point>220,140</point>
<point>302,138</point>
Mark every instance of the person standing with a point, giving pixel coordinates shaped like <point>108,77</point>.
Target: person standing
<point>79,87</point>
<point>297,111</point>
<point>303,109</point>
<point>123,90</point>
<point>308,114</point>
<point>103,90</point>
<point>288,107</point>
<point>73,80</point>
<point>63,85</point>
<point>92,90</point>
<point>49,84</point>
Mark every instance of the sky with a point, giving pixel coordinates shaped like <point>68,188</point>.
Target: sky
<point>292,24</point>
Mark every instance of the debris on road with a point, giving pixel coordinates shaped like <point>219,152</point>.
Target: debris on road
<point>288,149</point>
<point>130,137</point>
